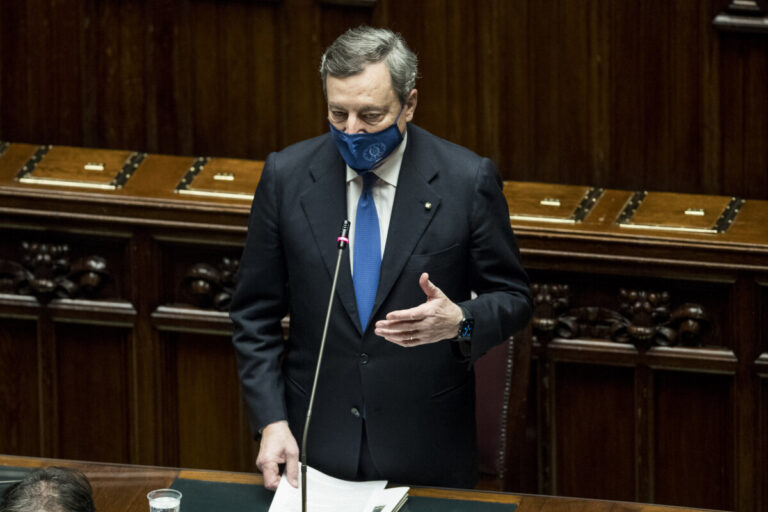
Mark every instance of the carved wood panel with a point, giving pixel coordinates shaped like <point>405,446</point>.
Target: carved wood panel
<point>199,276</point>
<point>75,359</point>
<point>639,312</point>
<point>54,266</point>
<point>210,285</point>
<point>627,334</point>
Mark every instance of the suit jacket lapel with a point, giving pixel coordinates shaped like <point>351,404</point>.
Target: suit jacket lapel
<point>414,208</point>
<point>325,206</point>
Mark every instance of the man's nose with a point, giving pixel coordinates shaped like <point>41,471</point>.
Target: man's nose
<point>354,124</point>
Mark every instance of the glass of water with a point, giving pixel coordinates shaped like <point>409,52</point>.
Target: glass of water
<point>164,500</point>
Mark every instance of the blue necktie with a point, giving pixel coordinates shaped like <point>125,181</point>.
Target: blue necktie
<point>365,275</point>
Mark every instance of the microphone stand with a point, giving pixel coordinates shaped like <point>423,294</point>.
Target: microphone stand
<point>343,241</point>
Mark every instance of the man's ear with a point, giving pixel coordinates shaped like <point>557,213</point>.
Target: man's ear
<point>410,104</point>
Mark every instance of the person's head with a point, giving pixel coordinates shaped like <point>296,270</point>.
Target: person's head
<point>369,77</point>
<point>52,489</point>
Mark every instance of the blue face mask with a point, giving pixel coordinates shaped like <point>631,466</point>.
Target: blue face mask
<point>364,151</point>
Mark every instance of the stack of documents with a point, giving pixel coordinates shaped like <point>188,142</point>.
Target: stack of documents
<point>328,494</point>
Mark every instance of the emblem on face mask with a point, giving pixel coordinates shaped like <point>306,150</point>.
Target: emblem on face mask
<point>374,152</point>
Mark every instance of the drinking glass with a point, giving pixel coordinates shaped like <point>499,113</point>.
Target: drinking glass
<point>164,500</point>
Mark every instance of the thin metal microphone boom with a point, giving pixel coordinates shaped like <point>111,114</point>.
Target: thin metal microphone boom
<point>342,242</point>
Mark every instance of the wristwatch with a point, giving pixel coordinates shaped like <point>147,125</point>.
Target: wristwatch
<point>460,345</point>
<point>466,325</point>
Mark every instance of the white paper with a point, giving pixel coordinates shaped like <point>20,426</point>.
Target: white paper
<point>385,500</point>
<point>328,494</point>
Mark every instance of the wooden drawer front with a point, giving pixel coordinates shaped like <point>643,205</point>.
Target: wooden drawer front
<point>222,177</point>
<point>80,167</point>
<point>545,202</point>
<point>680,212</point>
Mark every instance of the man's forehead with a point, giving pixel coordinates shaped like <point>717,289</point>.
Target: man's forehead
<point>372,85</point>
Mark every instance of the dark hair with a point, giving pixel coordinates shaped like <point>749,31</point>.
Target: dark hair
<point>53,489</point>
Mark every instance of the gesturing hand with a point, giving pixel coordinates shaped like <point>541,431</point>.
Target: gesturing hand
<point>278,446</point>
<point>435,320</point>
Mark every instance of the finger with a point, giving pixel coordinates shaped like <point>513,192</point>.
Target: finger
<point>415,314</point>
<point>271,474</point>
<point>399,336</point>
<point>418,335</point>
<point>292,470</point>
<point>429,288</point>
<point>408,343</point>
<point>398,325</point>
<point>402,331</point>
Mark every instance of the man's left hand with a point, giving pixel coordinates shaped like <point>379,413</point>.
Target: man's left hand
<point>435,320</point>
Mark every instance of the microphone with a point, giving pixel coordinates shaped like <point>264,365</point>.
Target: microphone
<point>341,242</point>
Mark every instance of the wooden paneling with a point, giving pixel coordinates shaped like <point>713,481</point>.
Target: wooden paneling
<point>762,473</point>
<point>210,412</point>
<point>633,95</point>
<point>693,435</point>
<point>743,100</point>
<point>762,404</point>
<point>19,386</point>
<point>650,352</point>
<point>686,407</point>
<point>762,312</point>
<point>611,408</point>
<point>91,391</point>
<point>583,395</point>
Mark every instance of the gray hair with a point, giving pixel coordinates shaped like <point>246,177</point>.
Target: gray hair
<point>357,47</point>
<point>53,489</point>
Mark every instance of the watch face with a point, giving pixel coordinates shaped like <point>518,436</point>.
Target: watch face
<point>465,328</point>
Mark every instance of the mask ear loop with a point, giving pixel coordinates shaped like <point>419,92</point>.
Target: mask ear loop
<point>397,119</point>
<point>399,113</point>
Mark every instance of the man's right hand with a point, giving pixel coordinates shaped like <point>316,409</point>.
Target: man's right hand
<point>278,446</point>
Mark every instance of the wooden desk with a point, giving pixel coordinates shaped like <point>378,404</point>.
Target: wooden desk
<point>649,358</point>
<point>123,488</point>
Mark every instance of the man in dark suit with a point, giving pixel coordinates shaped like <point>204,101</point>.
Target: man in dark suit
<point>430,225</point>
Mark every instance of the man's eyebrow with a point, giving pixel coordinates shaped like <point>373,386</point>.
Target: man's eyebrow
<point>371,108</point>
<point>366,108</point>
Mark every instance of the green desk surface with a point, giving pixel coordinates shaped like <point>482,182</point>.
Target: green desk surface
<point>11,473</point>
<point>198,496</point>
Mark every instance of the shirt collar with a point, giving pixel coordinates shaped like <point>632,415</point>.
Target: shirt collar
<point>388,170</point>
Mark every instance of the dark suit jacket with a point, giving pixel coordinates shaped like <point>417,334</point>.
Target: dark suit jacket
<point>450,219</point>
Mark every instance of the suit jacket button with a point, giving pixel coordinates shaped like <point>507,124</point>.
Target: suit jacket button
<point>363,358</point>
<point>355,412</point>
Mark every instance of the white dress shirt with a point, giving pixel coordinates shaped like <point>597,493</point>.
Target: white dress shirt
<point>383,195</point>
